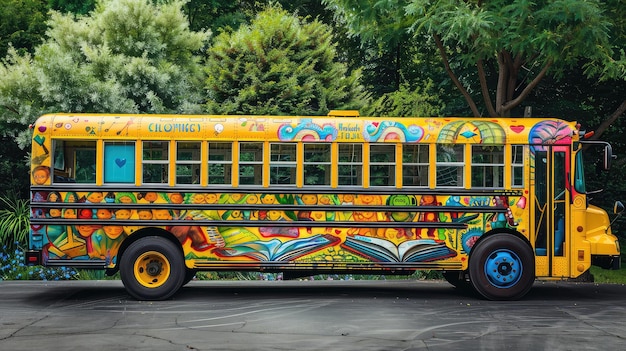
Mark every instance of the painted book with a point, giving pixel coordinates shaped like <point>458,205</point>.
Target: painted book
<point>382,250</point>
<point>276,250</point>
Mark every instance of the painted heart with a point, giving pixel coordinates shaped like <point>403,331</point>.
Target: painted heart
<point>517,129</point>
<point>42,129</point>
<point>39,139</point>
<point>375,124</point>
<point>120,162</point>
<point>76,120</point>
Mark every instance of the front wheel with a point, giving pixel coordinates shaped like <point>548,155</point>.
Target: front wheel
<point>502,267</point>
<point>152,268</point>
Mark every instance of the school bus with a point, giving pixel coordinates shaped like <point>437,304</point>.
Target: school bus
<point>492,203</point>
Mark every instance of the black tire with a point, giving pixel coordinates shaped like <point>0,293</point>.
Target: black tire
<point>152,268</point>
<point>457,279</point>
<point>189,275</point>
<point>502,267</point>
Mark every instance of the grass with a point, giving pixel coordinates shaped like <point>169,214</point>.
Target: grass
<point>609,276</point>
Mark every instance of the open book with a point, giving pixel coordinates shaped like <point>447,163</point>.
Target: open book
<point>276,250</point>
<point>382,250</point>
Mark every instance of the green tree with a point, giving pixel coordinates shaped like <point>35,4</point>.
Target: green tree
<point>420,101</point>
<point>14,220</point>
<point>612,69</point>
<point>22,24</point>
<point>511,46</point>
<point>279,64</point>
<point>126,56</point>
<point>217,15</point>
<point>79,7</point>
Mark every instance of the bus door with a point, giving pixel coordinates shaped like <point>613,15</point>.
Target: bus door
<point>551,210</point>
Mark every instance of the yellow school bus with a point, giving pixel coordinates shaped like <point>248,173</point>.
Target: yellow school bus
<point>493,203</point>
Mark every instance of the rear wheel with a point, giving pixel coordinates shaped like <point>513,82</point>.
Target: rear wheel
<point>152,268</point>
<point>189,275</point>
<point>502,267</point>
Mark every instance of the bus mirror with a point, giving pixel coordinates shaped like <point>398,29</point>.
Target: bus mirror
<point>618,207</point>
<point>608,156</point>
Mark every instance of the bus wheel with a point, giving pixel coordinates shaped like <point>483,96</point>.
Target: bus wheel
<point>152,268</point>
<point>502,267</point>
<point>189,275</point>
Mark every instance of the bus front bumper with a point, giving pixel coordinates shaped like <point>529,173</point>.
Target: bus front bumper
<point>606,262</point>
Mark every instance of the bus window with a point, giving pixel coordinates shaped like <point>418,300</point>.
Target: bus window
<point>317,164</point>
<point>75,162</point>
<point>487,166</point>
<point>155,161</point>
<point>283,164</point>
<point>220,163</point>
<point>450,164</point>
<point>188,162</point>
<point>350,164</point>
<point>251,163</point>
<point>415,165</point>
<point>119,162</point>
<point>517,166</point>
<point>382,165</point>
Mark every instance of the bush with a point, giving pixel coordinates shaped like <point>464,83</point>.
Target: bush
<point>14,221</point>
<point>12,267</point>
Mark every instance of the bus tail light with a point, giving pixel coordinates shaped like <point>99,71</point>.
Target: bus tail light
<point>32,258</point>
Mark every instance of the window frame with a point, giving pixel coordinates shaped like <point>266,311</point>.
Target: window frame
<point>355,166</point>
<point>487,169</point>
<point>326,163</point>
<point>279,164</point>
<point>164,163</point>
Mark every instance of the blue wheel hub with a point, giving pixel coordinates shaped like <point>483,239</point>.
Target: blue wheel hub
<point>503,269</point>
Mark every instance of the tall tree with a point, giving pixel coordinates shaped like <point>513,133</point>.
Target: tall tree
<point>22,24</point>
<point>511,45</point>
<point>612,70</point>
<point>79,7</point>
<point>126,56</point>
<point>279,64</point>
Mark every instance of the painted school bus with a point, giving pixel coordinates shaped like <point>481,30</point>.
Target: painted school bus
<point>493,203</point>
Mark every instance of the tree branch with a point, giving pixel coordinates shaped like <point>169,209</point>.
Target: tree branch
<point>468,98</point>
<point>532,85</point>
<point>11,109</point>
<point>484,88</point>
<point>502,78</point>
<point>607,123</point>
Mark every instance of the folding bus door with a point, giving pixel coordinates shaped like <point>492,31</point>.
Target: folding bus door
<point>551,210</point>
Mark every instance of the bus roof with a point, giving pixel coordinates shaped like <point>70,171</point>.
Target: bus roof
<point>445,130</point>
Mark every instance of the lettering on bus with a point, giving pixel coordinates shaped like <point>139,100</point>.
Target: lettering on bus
<point>174,127</point>
<point>349,131</point>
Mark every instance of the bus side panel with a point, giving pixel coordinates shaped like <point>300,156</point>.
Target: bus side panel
<point>218,230</point>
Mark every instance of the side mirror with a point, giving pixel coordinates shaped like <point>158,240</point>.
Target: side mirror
<point>608,157</point>
<point>618,207</point>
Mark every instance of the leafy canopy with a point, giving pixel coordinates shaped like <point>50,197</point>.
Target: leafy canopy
<point>511,45</point>
<point>125,56</point>
<point>279,64</point>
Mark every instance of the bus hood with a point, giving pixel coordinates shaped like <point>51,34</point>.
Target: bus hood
<point>599,234</point>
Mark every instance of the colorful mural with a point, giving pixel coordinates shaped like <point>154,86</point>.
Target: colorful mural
<point>253,227</point>
<point>339,227</point>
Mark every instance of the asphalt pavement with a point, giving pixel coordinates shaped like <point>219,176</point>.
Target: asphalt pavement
<point>309,315</point>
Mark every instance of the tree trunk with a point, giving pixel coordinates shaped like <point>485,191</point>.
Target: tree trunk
<point>612,118</point>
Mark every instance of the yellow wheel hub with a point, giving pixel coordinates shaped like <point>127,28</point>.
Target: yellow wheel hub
<point>152,269</point>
